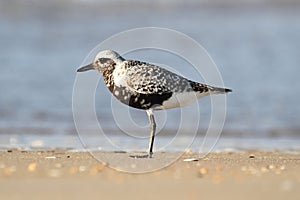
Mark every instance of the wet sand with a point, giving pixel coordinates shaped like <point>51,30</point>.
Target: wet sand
<point>60,174</point>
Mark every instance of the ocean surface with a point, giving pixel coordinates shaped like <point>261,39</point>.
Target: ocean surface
<point>256,49</point>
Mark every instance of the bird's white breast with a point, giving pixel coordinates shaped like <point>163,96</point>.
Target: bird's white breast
<point>119,75</point>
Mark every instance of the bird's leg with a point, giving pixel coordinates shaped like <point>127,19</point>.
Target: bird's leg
<point>152,132</point>
<point>152,135</point>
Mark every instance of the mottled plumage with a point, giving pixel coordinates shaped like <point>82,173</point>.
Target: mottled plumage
<point>146,86</point>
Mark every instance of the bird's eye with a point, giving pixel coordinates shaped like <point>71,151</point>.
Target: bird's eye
<point>103,60</point>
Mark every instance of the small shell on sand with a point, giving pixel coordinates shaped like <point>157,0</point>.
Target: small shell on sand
<point>50,157</point>
<point>191,159</point>
<point>203,171</point>
<point>271,167</point>
<point>98,168</point>
<point>32,167</point>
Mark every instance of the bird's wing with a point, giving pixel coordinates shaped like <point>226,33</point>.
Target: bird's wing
<point>151,79</point>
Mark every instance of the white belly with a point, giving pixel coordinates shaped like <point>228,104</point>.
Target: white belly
<point>179,100</point>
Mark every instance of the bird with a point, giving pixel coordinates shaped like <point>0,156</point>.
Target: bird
<point>148,87</point>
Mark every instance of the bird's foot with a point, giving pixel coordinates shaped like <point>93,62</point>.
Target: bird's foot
<point>141,156</point>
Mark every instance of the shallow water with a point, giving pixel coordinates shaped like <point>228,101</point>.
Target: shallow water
<point>256,50</point>
<point>164,144</point>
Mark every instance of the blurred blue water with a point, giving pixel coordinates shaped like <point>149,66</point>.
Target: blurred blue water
<point>256,50</point>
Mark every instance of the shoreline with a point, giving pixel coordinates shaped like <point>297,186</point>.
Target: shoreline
<point>163,143</point>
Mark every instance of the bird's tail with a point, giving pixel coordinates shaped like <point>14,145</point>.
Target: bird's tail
<point>203,88</point>
<point>217,90</point>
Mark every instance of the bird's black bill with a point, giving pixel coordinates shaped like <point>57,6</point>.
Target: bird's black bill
<point>86,68</point>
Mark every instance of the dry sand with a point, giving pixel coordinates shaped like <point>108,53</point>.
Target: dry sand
<point>61,174</point>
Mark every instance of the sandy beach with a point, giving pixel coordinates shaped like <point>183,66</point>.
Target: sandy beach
<point>61,174</point>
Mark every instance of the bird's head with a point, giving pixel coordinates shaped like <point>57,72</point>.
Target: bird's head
<point>103,61</point>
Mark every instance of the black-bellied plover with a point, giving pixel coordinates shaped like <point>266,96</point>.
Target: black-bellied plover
<point>146,86</point>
